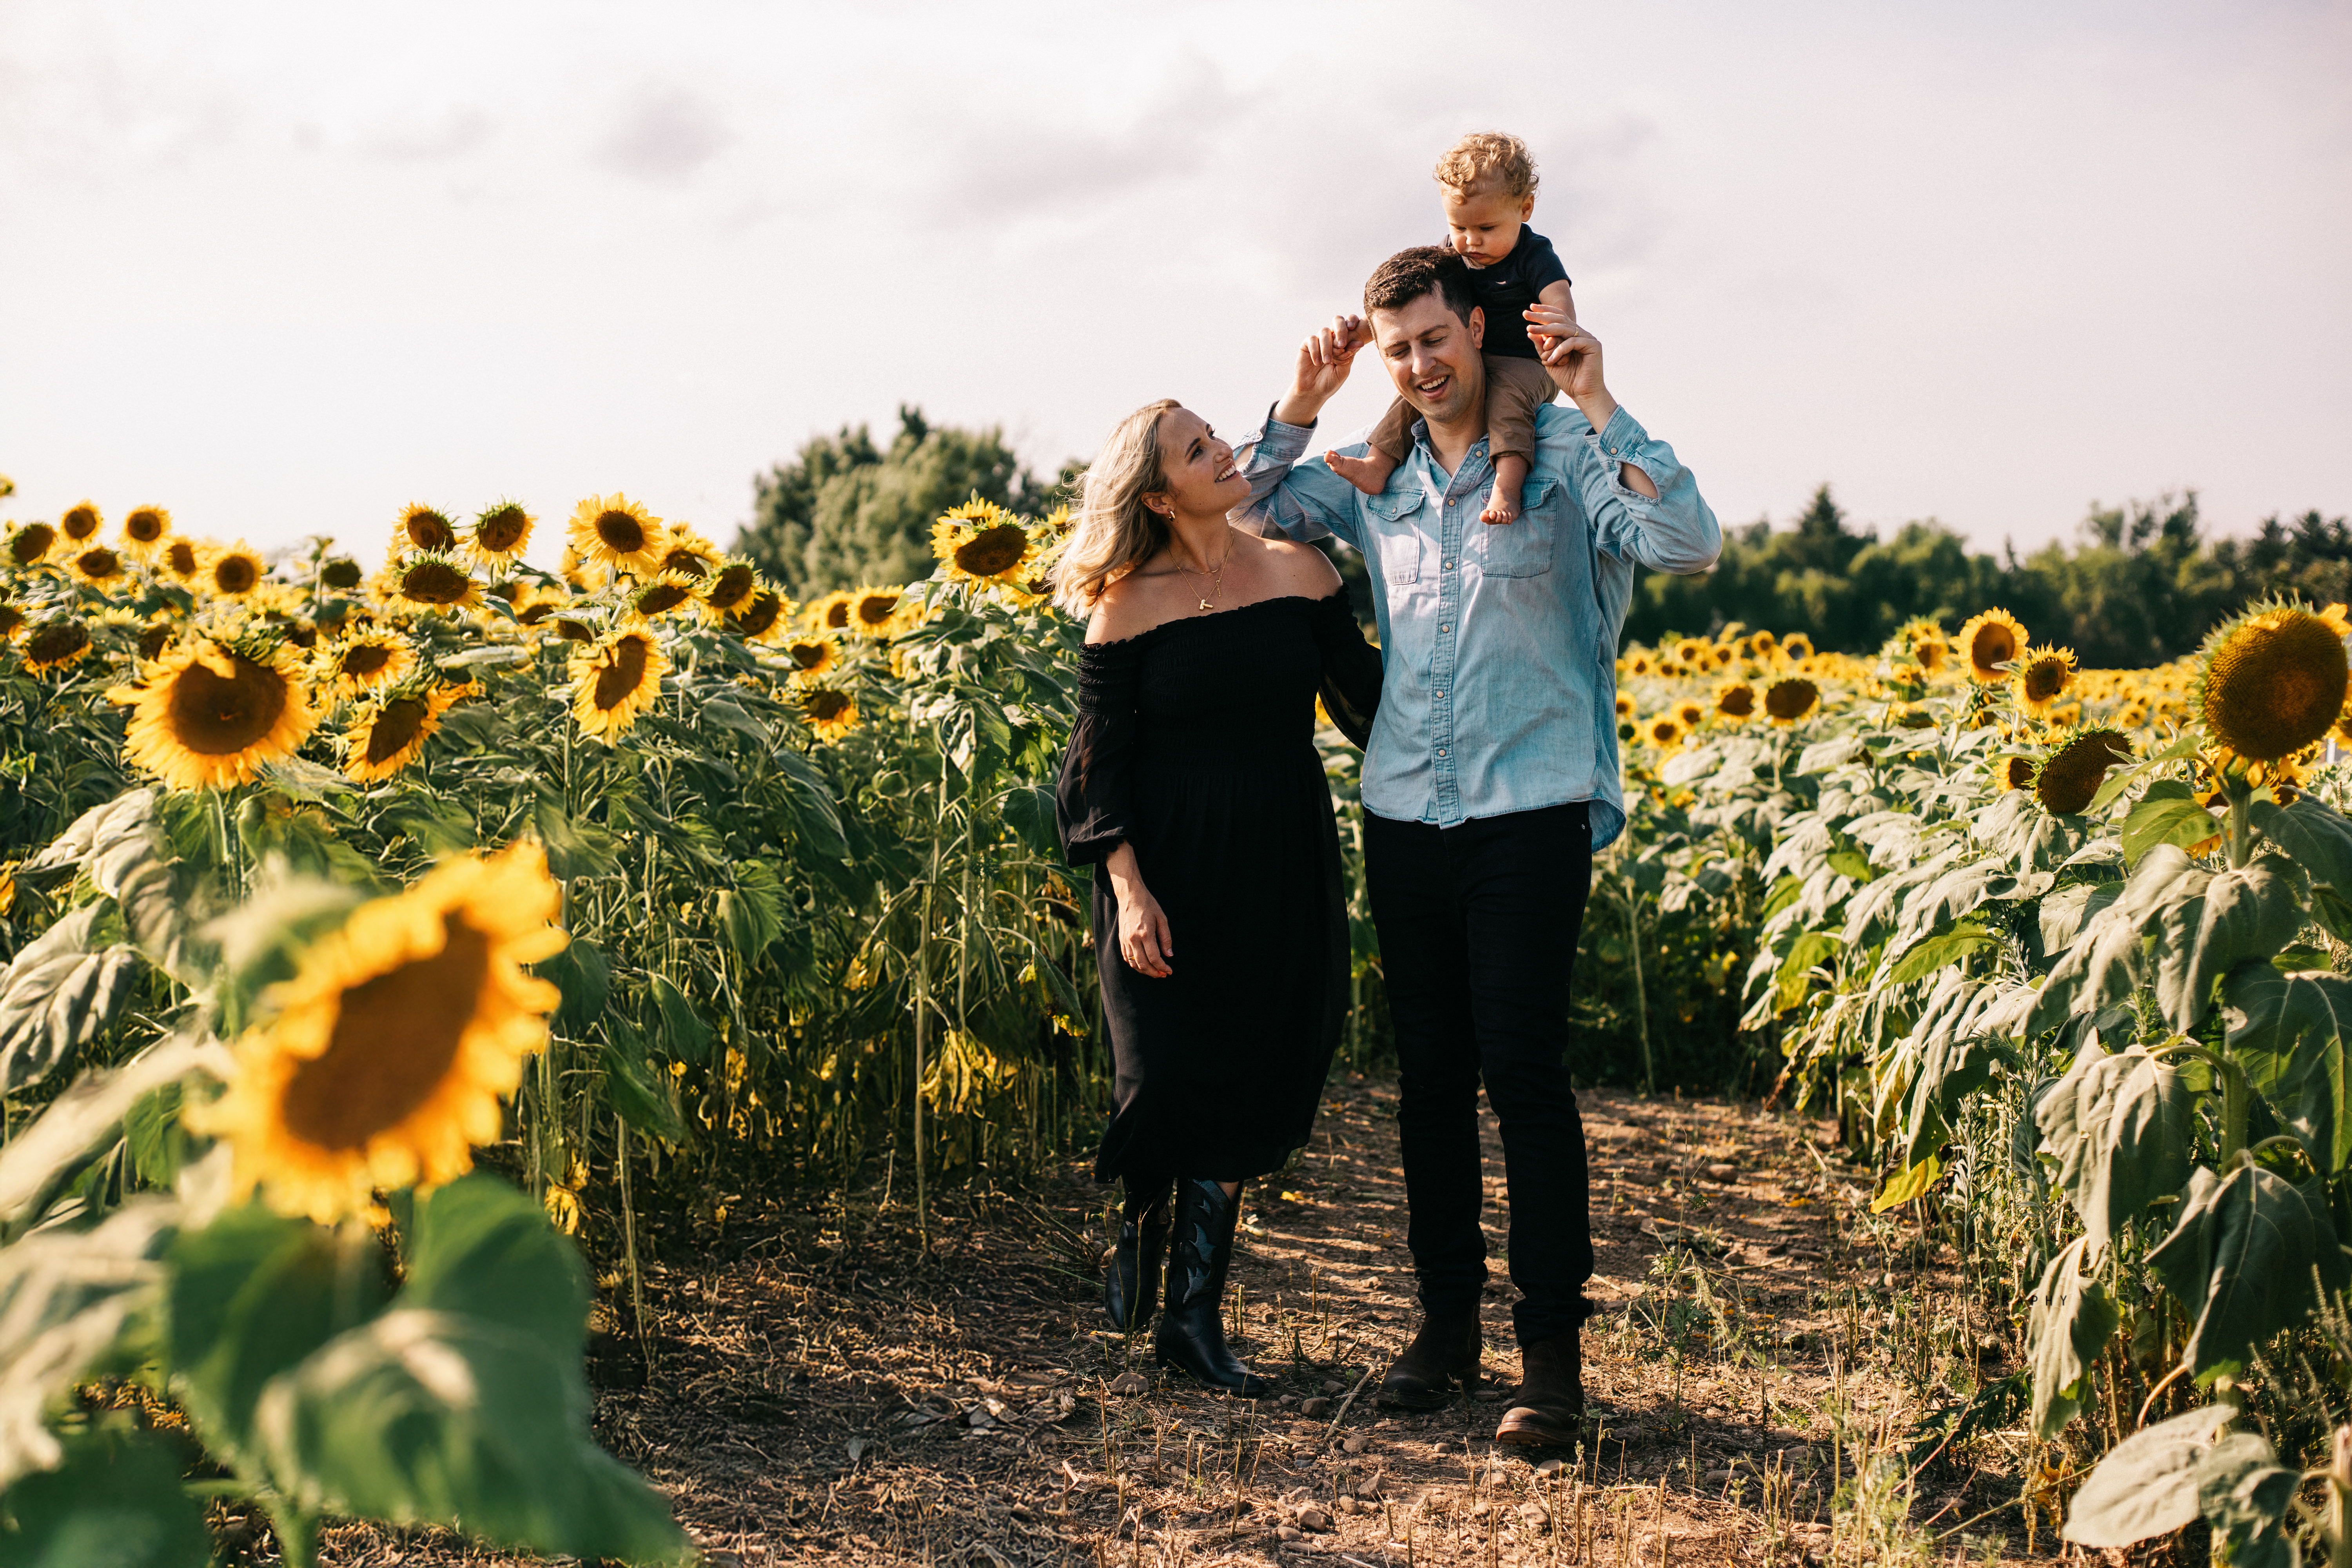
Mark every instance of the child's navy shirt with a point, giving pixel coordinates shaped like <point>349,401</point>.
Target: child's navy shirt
<point>1509,287</point>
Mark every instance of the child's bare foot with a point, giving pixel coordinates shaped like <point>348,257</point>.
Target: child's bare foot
<point>1502,505</point>
<point>1368,473</point>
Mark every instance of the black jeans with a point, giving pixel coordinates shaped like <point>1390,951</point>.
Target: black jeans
<point>1478,928</point>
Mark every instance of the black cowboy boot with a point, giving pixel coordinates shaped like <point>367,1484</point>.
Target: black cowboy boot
<point>1441,1363</point>
<point>1132,1280</point>
<point>1193,1328</point>
<point>1548,1411</point>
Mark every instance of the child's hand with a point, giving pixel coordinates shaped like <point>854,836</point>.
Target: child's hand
<point>1324,361</point>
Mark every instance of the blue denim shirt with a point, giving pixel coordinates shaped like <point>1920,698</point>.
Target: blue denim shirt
<point>1499,644</point>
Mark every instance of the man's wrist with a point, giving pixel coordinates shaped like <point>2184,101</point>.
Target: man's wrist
<point>1300,411</point>
<point>1599,408</point>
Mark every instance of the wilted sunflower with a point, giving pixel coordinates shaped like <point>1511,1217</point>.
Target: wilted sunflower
<point>2271,681</point>
<point>617,534</point>
<point>206,715</point>
<point>145,528</point>
<point>663,594</point>
<point>54,644</point>
<point>689,552</point>
<point>875,611</point>
<point>97,566</point>
<point>614,678</point>
<point>182,559</point>
<point>425,527</point>
<point>2071,775</point>
<point>385,1057</point>
<point>830,711</point>
<point>811,653</point>
<point>341,572</point>
<point>1990,641</point>
<point>365,662</point>
<point>1662,730</point>
<point>434,581</point>
<point>29,544</point>
<point>500,533</point>
<point>1790,699</point>
<point>388,732</point>
<point>2013,773</point>
<point>81,521</point>
<point>763,619</point>
<point>831,613</point>
<point>980,543</point>
<point>1691,714</point>
<point>232,571</point>
<point>12,621</point>
<point>2043,676</point>
<point>1735,700</point>
<point>730,588</point>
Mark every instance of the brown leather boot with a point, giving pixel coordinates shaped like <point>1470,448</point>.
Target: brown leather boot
<point>1442,1361</point>
<point>1548,1409</point>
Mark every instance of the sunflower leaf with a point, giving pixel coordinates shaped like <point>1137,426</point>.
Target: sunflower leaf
<point>2168,814</point>
<point>637,1093</point>
<point>684,1031</point>
<point>2121,1128</point>
<point>116,1498</point>
<point>2146,1486</point>
<point>2315,834</point>
<point>2242,1259</point>
<point>2069,1323</point>
<point>58,994</point>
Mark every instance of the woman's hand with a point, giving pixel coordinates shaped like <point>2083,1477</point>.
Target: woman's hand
<point>1324,361</point>
<point>1143,936</point>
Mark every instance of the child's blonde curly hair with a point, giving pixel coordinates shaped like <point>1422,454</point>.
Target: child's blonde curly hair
<point>1488,155</point>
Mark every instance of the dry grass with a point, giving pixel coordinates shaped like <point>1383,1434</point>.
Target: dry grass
<point>825,1392</point>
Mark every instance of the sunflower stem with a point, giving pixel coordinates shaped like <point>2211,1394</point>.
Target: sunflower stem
<point>298,1536</point>
<point>2241,795</point>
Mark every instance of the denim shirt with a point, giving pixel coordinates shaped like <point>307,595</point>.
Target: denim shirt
<point>1499,643</point>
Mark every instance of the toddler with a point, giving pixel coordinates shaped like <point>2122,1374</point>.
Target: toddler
<point>1490,186</point>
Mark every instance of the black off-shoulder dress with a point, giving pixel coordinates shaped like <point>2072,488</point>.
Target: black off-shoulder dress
<point>1195,743</point>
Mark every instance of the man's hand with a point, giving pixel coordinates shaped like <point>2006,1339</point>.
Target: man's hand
<point>1324,361</point>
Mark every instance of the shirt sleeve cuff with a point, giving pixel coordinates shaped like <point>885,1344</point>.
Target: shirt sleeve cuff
<point>1623,440</point>
<point>1276,440</point>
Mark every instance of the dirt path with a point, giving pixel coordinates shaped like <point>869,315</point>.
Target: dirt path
<point>831,1397</point>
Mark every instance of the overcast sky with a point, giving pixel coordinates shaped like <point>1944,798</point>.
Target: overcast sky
<point>285,267</point>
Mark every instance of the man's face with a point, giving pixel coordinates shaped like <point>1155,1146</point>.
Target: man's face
<point>1431,354</point>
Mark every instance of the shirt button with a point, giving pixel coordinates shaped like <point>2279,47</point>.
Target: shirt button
<point>1441,751</point>
<point>1443,628</point>
<point>1449,566</point>
<point>1441,695</point>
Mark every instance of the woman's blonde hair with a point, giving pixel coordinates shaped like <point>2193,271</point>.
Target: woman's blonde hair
<point>1115,533</point>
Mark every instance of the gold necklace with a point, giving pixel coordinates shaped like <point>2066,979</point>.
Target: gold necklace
<point>1216,575</point>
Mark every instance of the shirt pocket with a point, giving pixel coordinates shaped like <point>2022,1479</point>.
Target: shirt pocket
<point>1522,548</point>
<point>1396,518</point>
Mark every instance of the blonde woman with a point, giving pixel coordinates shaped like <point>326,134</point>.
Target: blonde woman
<point>1193,781</point>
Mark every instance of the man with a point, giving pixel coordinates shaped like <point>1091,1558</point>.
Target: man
<point>1490,780</point>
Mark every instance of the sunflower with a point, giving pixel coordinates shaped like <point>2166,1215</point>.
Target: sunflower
<point>1760,644</point>
<point>365,662</point>
<point>763,619</point>
<point>1639,664</point>
<point>2271,681</point>
<point>81,521</point>
<point>430,580</point>
<point>665,593</point>
<point>425,527</point>
<point>341,572</point>
<point>1910,716</point>
<point>1790,699</point>
<point>155,636</point>
<point>144,530</point>
<point>730,588</point>
<point>232,571</point>
<point>1664,732</point>
<point>1797,646</point>
<point>2043,676</point>
<point>812,655</point>
<point>2013,773</point>
<point>29,544</point>
<point>53,645</point>
<point>209,715</point>
<point>385,1059</point>
<point>1690,714</point>
<point>532,603</point>
<point>2071,775</point>
<point>1990,641</point>
<point>617,534</point>
<point>1690,651</point>
<point>689,552</point>
<point>498,534</point>
<point>831,613</point>
<point>1624,706</point>
<point>981,543</point>
<point>180,559</point>
<point>389,731</point>
<point>1735,700</point>
<point>614,678</point>
<point>875,611</point>
<point>12,621</point>
<point>97,566</point>
<point>831,712</point>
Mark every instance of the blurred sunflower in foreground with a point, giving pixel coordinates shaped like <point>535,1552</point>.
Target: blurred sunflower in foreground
<point>2273,680</point>
<point>385,1057</point>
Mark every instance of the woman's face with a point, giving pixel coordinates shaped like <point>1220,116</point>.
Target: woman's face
<point>1199,476</point>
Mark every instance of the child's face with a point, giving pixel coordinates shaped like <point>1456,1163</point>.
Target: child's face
<point>1483,223</point>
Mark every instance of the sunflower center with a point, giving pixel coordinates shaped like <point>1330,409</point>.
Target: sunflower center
<point>685,561</point>
<point>58,640</point>
<point>837,616</point>
<point>99,562</point>
<point>339,573</point>
<point>992,550</point>
<point>80,522</point>
<point>1993,645</point>
<point>145,525</point>
<point>807,655</point>
<point>502,530</point>
<point>876,608</point>
<point>235,575</point>
<point>731,586</point>
<point>364,660</point>
<point>826,706</point>
<point>11,618</point>
<point>31,543</point>
<point>180,557</point>
<point>663,597</point>
<point>431,530</point>
<point>763,614</point>
<point>620,531</point>
<point>621,677</point>
<point>395,1041</point>
<point>2045,680</point>
<point>573,631</point>
<point>435,583</point>
<point>216,716</point>
<point>1739,701</point>
<point>395,728</point>
<point>1790,699</point>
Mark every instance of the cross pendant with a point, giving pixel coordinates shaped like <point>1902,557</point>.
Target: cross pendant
<point>1206,605</point>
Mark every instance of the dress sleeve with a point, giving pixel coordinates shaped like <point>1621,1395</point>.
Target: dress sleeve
<point>1351,683</point>
<point>1092,797</point>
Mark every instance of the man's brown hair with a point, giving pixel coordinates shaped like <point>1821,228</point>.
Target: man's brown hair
<point>1408,274</point>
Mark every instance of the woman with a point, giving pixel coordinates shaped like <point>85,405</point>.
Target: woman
<point>1220,920</point>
